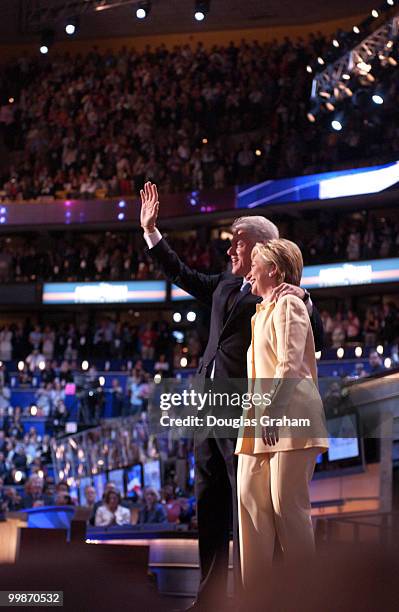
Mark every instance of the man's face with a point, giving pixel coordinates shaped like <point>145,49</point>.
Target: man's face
<point>374,359</point>
<point>239,252</point>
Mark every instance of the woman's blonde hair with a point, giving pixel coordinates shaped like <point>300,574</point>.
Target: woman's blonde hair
<point>286,256</point>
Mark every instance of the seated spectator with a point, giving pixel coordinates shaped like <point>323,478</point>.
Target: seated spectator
<point>111,512</point>
<point>90,497</point>
<point>338,332</point>
<point>34,359</point>
<point>152,511</point>
<point>375,362</point>
<point>352,327</point>
<point>34,494</point>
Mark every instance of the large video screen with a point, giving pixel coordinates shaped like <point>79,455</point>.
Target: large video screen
<point>135,292</point>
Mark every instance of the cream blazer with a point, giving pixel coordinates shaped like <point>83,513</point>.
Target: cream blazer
<point>282,348</point>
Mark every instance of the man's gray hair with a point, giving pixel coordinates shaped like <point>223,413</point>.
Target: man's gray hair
<point>260,228</point>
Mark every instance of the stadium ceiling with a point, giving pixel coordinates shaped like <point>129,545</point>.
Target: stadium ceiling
<point>21,20</point>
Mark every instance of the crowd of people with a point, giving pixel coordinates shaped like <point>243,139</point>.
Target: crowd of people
<point>100,124</point>
<point>121,255</point>
<point>380,325</point>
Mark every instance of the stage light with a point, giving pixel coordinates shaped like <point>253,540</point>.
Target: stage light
<point>122,204</point>
<point>121,216</point>
<point>177,317</point>
<point>375,13</point>
<point>61,475</point>
<point>380,349</point>
<point>18,476</point>
<point>11,100</point>
<point>318,355</point>
<point>101,380</point>
<point>391,2</point>
<point>183,362</point>
<point>143,10</point>
<point>201,9</point>
<point>157,379</point>
<point>191,316</point>
<point>258,152</point>
<point>336,125</point>
<point>85,365</point>
<point>46,40</point>
<point>71,26</point>
<point>204,141</point>
<point>309,69</point>
<point>42,365</point>
<point>40,473</point>
<point>320,61</point>
<point>340,353</point>
<point>335,43</point>
<point>33,410</point>
<point>358,351</point>
<point>356,30</point>
<point>388,362</point>
<point>389,44</point>
<point>21,365</point>
<point>377,99</point>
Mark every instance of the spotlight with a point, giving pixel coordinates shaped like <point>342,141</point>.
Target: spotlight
<point>356,30</point>
<point>101,380</point>
<point>201,9</point>
<point>378,99</point>
<point>309,69</point>
<point>191,316</point>
<point>21,365</point>
<point>46,40</point>
<point>11,100</point>
<point>177,317</point>
<point>335,43</point>
<point>391,2</point>
<point>157,379</point>
<point>33,410</point>
<point>40,473</point>
<point>321,61</point>
<point>358,351</point>
<point>258,152</point>
<point>18,476</point>
<point>71,26</point>
<point>388,362</point>
<point>336,125</point>
<point>375,13</point>
<point>121,216</point>
<point>183,362</point>
<point>42,365</point>
<point>340,353</point>
<point>85,365</point>
<point>380,349</point>
<point>204,141</point>
<point>143,10</point>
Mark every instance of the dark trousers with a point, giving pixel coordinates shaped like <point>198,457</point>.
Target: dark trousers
<point>217,511</point>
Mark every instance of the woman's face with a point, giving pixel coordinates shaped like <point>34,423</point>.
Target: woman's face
<point>113,501</point>
<point>259,276</point>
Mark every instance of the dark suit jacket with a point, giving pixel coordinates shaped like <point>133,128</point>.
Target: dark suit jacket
<point>229,338</point>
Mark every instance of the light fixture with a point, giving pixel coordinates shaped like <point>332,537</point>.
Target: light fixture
<point>46,40</point>
<point>358,351</point>
<point>377,99</point>
<point>320,61</point>
<point>177,317</point>
<point>71,26</point>
<point>143,10</point>
<point>157,378</point>
<point>191,316</point>
<point>201,9</point>
<point>21,365</point>
<point>309,69</point>
<point>42,365</point>
<point>336,125</point>
<point>380,349</point>
<point>335,43</point>
<point>33,410</point>
<point>18,475</point>
<point>388,362</point>
<point>391,2</point>
<point>101,380</point>
<point>356,30</point>
<point>375,13</point>
<point>44,49</point>
<point>85,365</point>
<point>183,362</point>
<point>340,352</point>
<point>258,152</point>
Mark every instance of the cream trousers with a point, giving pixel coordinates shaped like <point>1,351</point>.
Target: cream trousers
<point>274,503</point>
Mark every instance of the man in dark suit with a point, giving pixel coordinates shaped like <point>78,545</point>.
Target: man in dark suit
<point>232,305</point>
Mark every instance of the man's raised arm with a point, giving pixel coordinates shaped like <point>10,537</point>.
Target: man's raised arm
<point>199,285</point>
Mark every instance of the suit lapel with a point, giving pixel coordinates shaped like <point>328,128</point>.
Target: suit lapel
<point>240,296</point>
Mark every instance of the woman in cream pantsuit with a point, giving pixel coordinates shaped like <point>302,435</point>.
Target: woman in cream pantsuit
<point>274,470</point>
